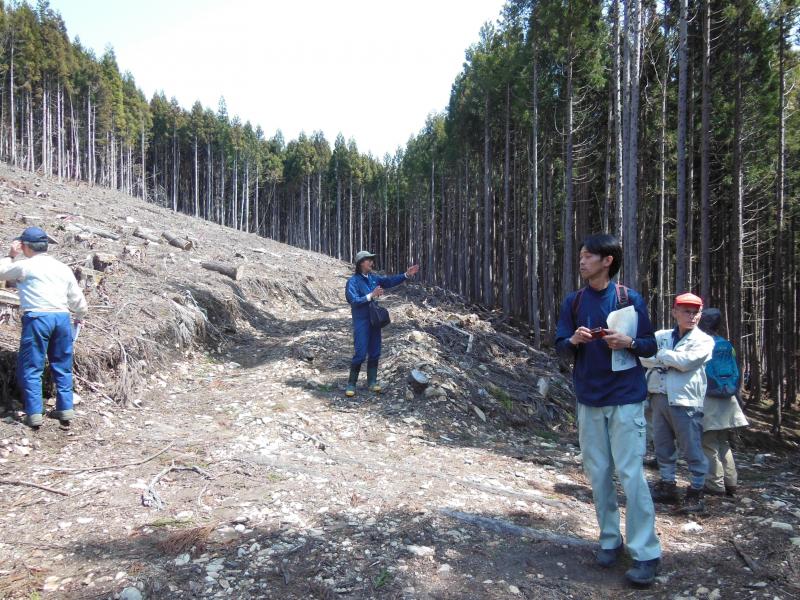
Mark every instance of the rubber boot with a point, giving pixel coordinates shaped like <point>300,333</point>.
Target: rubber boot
<point>350,390</point>
<point>372,377</point>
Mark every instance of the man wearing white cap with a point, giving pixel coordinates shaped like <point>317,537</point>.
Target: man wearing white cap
<point>676,382</point>
<point>48,292</point>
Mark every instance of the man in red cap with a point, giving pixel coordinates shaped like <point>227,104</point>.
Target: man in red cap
<point>676,382</point>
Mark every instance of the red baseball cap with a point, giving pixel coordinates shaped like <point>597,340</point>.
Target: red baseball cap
<point>688,300</point>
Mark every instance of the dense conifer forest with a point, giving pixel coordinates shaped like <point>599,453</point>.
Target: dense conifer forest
<point>673,125</point>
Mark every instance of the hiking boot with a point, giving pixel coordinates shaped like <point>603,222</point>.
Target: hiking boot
<point>34,420</point>
<point>607,557</point>
<point>350,390</point>
<point>372,379</point>
<point>650,461</point>
<point>693,501</point>
<point>665,491</point>
<point>643,572</point>
<point>65,416</point>
<point>713,492</point>
<point>730,491</point>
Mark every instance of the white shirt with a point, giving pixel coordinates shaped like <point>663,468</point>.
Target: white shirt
<point>45,285</point>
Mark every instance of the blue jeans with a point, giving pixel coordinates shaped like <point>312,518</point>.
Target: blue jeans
<point>367,342</point>
<point>684,425</point>
<point>614,436</point>
<point>49,335</point>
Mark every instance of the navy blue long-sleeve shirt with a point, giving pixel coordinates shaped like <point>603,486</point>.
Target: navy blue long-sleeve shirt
<point>359,285</point>
<point>595,383</point>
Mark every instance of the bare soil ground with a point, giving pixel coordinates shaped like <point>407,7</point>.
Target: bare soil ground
<point>228,464</point>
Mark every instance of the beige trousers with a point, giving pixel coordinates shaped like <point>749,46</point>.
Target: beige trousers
<point>721,468</point>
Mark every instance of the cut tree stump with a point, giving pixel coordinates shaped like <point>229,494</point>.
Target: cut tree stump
<point>176,241</point>
<point>418,380</point>
<point>146,234</point>
<point>102,260</point>
<point>234,273</point>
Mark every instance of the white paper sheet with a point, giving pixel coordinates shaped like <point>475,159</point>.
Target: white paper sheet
<point>624,320</point>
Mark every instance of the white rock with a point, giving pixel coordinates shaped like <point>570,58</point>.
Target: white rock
<point>51,584</point>
<point>130,593</point>
<point>714,594</point>
<point>421,550</point>
<point>240,528</point>
<point>184,515</point>
<point>445,568</point>
<point>514,590</point>
<point>782,526</point>
<point>746,501</point>
<point>692,527</point>
<point>795,541</point>
<point>64,524</point>
<point>84,520</point>
<point>182,559</point>
<point>417,337</point>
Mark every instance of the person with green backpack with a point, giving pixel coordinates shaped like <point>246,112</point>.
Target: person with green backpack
<point>722,412</point>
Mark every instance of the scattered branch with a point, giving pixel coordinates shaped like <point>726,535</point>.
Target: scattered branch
<point>33,485</point>
<point>107,467</point>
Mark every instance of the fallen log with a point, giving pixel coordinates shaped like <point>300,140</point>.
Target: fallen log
<point>174,240</point>
<point>234,273</point>
<point>506,527</point>
<point>7,297</point>
<point>103,233</point>
<point>145,234</point>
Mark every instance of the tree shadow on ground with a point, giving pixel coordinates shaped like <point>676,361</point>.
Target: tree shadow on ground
<point>394,554</point>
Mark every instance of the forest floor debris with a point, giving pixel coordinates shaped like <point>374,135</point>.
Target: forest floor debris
<point>271,484</point>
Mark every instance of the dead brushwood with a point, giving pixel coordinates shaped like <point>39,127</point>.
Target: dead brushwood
<point>189,540</point>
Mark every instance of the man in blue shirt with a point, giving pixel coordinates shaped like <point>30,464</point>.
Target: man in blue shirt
<point>611,424</point>
<point>364,287</point>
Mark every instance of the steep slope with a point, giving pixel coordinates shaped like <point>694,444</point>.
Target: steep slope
<point>214,454</point>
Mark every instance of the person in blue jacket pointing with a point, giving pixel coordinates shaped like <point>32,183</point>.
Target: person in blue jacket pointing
<point>362,288</point>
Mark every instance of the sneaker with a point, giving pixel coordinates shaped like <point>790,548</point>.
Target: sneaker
<point>65,416</point>
<point>607,557</point>
<point>34,420</point>
<point>375,387</point>
<point>665,491</point>
<point>350,391</point>
<point>643,572</point>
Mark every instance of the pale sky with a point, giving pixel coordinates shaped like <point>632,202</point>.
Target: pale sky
<point>370,69</point>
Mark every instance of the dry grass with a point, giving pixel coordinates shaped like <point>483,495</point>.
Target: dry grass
<point>190,540</point>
